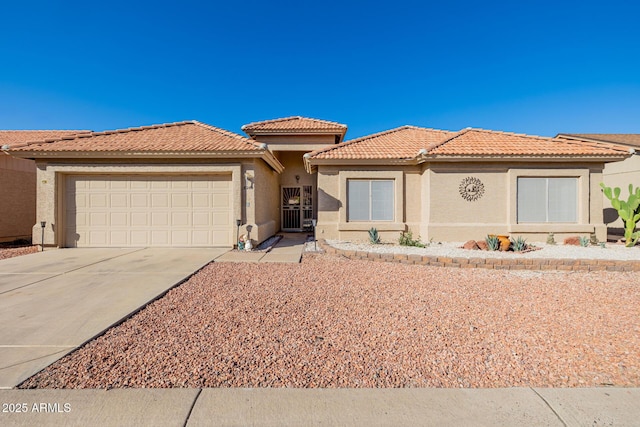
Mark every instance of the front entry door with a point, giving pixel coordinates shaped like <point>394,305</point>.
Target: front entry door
<point>297,208</point>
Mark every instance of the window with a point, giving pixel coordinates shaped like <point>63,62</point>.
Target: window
<point>370,200</point>
<point>547,200</point>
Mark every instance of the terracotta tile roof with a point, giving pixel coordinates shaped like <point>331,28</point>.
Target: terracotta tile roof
<point>405,143</point>
<point>481,142</point>
<point>399,143</point>
<point>630,139</point>
<point>188,136</point>
<point>294,124</point>
<point>19,138</point>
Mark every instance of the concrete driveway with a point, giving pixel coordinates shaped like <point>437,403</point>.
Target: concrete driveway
<point>52,302</point>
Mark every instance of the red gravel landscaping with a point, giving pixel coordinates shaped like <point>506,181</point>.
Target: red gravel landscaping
<point>7,251</point>
<point>333,322</point>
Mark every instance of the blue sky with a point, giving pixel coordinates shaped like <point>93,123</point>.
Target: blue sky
<point>540,67</point>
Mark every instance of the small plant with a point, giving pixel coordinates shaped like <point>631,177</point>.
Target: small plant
<point>519,244</point>
<point>584,241</point>
<point>493,243</point>
<point>603,245</point>
<point>593,239</point>
<point>550,239</point>
<point>406,239</point>
<point>374,238</point>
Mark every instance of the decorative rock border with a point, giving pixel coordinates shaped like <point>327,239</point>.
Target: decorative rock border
<point>489,263</point>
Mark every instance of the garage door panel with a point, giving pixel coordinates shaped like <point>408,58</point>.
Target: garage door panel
<point>98,201</point>
<point>118,219</point>
<point>140,210</point>
<point>179,200</point>
<point>159,200</point>
<point>139,200</point>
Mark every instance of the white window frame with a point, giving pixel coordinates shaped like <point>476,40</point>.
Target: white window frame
<point>369,201</point>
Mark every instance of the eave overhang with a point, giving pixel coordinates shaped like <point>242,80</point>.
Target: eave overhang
<point>266,155</point>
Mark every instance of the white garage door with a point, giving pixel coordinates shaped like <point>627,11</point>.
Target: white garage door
<point>121,211</point>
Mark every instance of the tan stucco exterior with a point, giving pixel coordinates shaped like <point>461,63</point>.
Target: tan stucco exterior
<point>17,197</point>
<point>428,201</point>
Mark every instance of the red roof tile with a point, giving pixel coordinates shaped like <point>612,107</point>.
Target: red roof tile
<point>294,124</point>
<point>19,138</point>
<point>399,143</point>
<point>405,143</point>
<point>188,136</point>
<point>480,142</point>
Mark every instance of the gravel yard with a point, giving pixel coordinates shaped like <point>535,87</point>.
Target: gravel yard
<point>13,251</point>
<point>332,322</point>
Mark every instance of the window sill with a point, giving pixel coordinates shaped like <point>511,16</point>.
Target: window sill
<point>366,225</point>
<point>556,227</point>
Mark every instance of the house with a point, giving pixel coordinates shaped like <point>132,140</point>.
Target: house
<point>18,183</point>
<point>456,186</point>
<point>618,174</point>
<point>192,184</point>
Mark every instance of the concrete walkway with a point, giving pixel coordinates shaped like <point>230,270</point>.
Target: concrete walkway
<point>344,407</point>
<point>52,302</point>
<point>288,249</point>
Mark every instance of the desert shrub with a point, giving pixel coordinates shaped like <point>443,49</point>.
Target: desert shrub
<point>406,239</point>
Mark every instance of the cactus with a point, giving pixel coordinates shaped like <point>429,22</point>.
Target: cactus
<point>493,243</point>
<point>374,238</point>
<point>629,211</point>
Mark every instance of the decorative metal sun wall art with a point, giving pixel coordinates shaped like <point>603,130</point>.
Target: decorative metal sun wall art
<point>471,188</point>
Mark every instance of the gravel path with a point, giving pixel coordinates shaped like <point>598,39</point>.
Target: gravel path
<point>333,322</point>
<point>10,252</point>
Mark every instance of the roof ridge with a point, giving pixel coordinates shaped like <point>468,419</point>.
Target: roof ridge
<point>227,133</point>
<point>375,135</point>
<point>356,140</point>
<point>290,118</point>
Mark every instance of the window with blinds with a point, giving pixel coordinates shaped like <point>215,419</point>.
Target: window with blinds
<point>547,200</point>
<point>370,200</point>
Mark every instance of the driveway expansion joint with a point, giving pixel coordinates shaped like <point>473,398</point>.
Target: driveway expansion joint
<point>549,406</point>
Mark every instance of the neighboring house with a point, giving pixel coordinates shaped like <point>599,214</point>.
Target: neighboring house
<point>618,174</point>
<point>18,183</point>
<point>187,183</point>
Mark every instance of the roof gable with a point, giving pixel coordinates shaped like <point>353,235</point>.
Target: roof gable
<point>187,136</point>
<point>294,124</point>
<point>399,143</point>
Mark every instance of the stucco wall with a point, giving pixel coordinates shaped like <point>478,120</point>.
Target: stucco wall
<point>332,196</point>
<point>620,174</point>
<point>296,142</point>
<point>265,195</point>
<point>17,198</point>
<point>433,207</point>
